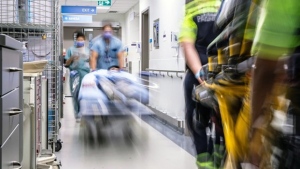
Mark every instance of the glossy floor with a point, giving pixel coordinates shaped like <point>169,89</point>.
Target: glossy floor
<point>152,150</point>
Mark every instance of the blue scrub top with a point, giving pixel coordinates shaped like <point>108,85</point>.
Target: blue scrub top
<point>107,54</point>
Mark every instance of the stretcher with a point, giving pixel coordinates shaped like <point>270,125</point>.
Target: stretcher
<point>108,99</point>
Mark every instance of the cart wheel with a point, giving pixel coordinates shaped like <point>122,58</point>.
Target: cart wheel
<point>59,125</point>
<point>58,146</point>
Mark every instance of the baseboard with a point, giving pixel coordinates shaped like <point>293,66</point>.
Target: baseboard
<point>174,122</point>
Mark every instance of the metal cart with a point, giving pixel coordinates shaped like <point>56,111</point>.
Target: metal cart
<point>53,74</point>
<point>37,24</point>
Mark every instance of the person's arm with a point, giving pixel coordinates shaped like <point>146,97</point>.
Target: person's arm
<point>69,58</point>
<point>93,60</point>
<point>192,58</point>
<point>187,39</point>
<point>94,56</point>
<point>121,59</point>
<point>275,37</point>
<point>120,56</point>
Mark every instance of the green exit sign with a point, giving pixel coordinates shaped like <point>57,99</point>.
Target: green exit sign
<point>104,3</point>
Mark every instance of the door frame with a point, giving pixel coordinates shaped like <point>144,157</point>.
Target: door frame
<point>145,50</point>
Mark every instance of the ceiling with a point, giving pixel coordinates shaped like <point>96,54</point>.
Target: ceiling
<point>121,6</point>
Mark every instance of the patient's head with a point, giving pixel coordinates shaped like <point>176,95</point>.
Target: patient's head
<point>114,68</point>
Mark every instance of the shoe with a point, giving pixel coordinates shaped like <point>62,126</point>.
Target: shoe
<point>204,161</point>
<point>218,155</point>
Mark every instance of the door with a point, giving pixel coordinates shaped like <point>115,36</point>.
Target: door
<point>145,41</point>
<point>145,47</point>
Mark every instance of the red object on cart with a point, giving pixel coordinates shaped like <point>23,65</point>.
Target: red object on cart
<point>64,54</point>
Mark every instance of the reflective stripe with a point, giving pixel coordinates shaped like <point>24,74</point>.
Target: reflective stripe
<point>189,28</point>
<point>206,165</point>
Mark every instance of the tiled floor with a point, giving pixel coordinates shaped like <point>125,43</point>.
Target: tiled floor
<point>152,150</point>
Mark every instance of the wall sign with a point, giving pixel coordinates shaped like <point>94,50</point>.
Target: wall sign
<point>79,10</point>
<point>156,33</point>
<point>77,18</point>
<point>104,3</point>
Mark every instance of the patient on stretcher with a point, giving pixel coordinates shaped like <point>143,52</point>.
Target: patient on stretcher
<point>112,92</point>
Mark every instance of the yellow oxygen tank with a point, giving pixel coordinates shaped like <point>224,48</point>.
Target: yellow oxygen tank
<point>221,57</point>
<point>210,64</point>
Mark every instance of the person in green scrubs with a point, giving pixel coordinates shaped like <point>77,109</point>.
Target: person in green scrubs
<point>77,59</point>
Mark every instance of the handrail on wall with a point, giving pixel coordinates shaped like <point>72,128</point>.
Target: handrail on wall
<point>161,74</point>
<point>169,75</point>
<point>168,71</point>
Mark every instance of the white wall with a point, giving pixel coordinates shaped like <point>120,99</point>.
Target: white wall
<point>169,96</point>
<point>133,36</point>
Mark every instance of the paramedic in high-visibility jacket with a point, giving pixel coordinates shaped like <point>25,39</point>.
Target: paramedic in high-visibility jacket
<point>277,35</point>
<point>197,32</point>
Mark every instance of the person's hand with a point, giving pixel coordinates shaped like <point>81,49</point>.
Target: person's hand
<point>92,70</point>
<point>255,148</point>
<point>200,76</point>
<point>201,81</point>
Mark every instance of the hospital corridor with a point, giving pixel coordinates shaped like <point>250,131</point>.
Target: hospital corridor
<point>153,149</point>
<point>149,84</point>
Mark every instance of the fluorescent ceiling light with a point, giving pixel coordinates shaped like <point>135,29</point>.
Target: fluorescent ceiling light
<point>103,7</point>
<point>88,30</point>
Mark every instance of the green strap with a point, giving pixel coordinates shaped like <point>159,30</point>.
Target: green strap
<point>208,161</point>
<point>206,165</point>
<point>204,161</point>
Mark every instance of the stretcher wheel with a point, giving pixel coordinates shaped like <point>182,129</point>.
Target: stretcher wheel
<point>100,136</point>
<point>88,136</point>
<point>89,132</point>
<point>58,145</point>
<point>128,135</point>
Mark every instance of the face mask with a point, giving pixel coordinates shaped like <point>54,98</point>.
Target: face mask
<point>107,35</point>
<point>79,44</point>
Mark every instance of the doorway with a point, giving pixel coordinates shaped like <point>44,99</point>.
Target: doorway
<point>98,31</point>
<point>145,47</point>
<point>145,41</point>
<point>91,33</point>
